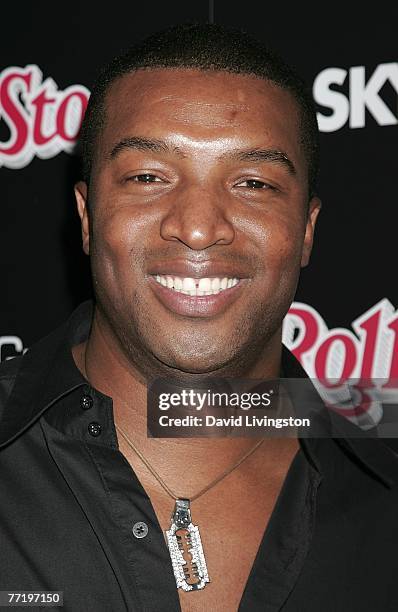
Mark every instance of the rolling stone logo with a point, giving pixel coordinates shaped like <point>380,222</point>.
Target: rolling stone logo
<point>354,371</point>
<point>42,120</point>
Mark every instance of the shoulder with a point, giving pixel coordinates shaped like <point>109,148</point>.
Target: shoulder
<point>33,382</point>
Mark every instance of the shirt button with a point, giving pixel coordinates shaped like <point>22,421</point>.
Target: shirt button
<point>94,429</point>
<point>140,530</point>
<point>86,402</point>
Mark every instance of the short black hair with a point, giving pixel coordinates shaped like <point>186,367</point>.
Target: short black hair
<point>203,47</point>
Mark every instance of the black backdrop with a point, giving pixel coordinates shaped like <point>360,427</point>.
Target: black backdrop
<point>352,60</point>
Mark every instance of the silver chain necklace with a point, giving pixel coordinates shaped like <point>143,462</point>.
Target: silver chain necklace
<point>183,537</point>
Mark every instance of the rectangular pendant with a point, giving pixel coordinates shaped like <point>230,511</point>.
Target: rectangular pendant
<point>186,550</point>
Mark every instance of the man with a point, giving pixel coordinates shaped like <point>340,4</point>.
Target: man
<point>198,210</point>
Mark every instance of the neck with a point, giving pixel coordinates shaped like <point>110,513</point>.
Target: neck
<point>113,371</point>
<point>108,370</point>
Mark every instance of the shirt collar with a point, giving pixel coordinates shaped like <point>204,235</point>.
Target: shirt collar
<point>48,372</point>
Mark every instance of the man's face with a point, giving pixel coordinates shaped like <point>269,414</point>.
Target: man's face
<point>199,216</point>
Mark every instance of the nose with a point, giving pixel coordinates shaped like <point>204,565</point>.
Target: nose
<point>198,219</point>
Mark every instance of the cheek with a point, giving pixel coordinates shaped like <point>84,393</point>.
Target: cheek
<point>285,268</point>
<point>116,250</point>
<point>280,243</point>
<point>114,232</point>
<point>286,247</point>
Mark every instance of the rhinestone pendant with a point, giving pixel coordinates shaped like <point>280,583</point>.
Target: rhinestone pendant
<point>186,550</point>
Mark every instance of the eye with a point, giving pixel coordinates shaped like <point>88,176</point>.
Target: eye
<point>145,178</point>
<point>254,184</point>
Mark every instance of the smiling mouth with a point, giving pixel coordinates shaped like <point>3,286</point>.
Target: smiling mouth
<point>195,287</point>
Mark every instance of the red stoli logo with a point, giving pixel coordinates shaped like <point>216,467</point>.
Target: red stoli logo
<point>42,120</point>
<point>366,360</point>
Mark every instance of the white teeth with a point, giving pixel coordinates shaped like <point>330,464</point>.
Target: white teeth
<point>189,286</point>
<point>215,284</point>
<point>205,284</point>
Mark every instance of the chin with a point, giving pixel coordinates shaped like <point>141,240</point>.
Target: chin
<point>194,368</point>
<point>198,363</point>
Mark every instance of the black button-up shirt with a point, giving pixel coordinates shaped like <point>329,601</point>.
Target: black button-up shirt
<point>75,518</point>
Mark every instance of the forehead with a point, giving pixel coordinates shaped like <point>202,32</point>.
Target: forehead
<point>202,105</point>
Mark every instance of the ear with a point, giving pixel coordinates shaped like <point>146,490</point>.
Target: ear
<point>81,201</point>
<point>313,210</point>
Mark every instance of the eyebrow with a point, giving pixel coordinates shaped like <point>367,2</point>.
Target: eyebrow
<point>263,155</point>
<point>139,143</point>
